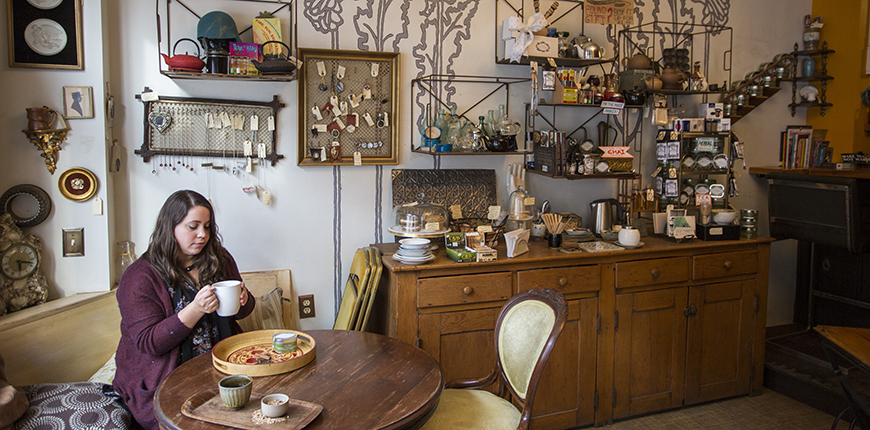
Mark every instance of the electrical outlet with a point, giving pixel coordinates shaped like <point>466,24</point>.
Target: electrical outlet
<point>306,306</point>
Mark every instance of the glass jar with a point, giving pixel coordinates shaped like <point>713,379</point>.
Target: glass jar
<point>419,219</point>
<point>126,256</point>
<point>521,210</point>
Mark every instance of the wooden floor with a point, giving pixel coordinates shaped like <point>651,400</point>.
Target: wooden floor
<point>768,411</point>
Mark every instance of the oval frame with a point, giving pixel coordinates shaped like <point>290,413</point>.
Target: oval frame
<point>37,193</point>
<point>68,186</point>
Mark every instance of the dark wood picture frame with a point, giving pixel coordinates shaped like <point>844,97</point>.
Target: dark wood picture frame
<point>376,144</point>
<point>45,34</point>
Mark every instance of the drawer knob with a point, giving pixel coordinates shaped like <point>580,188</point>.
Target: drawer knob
<point>655,273</point>
<point>563,281</point>
<point>467,291</point>
<point>727,264</point>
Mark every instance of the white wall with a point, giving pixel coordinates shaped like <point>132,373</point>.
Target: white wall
<point>297,230</point>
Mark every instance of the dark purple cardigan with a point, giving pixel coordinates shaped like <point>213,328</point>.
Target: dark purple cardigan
<point>150,336</point>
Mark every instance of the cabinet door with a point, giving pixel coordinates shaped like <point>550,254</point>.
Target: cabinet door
<point>566,392</point>
<point>650,351</point>
<point>719,341</point>
<point>463,342</point>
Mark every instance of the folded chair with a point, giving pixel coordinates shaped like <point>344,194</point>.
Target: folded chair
<point>354,291</point>
<point>374,279</point>
<point>525,333</point>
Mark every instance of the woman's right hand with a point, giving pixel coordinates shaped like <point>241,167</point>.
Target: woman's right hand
<point>205,302</point>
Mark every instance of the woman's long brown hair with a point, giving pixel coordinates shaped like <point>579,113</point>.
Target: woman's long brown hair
<point>163,249</point>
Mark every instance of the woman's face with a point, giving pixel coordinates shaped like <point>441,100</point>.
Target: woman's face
<point>192,233</point>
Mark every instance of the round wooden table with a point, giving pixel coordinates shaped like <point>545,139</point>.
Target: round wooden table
<point>362,380</point>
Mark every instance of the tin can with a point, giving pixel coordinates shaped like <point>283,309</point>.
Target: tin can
<point>588,164</point>
<point>284,343</point>
<point>767,81</point>
<point>741,100</point>
<point>780,72</point>
<point>727,109</point>
<point>753,91</point>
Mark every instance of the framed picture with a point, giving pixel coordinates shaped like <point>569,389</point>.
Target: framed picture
<point>347,107</point>
<point>45,34</point>
<point>78,102</point>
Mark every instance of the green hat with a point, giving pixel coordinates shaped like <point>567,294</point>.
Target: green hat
<point>217,25</point>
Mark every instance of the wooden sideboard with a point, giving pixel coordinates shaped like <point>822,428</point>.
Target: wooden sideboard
<point>649,329</point>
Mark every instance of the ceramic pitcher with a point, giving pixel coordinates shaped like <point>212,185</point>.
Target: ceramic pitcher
<point>40,118</point>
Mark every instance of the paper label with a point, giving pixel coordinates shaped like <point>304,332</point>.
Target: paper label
<point>150,96</point>
<point>261,150</point>
<point>493,213</point>
<point>336,111</point>
<point>455,210</point>
<point>321,68</point>
<point>248,148</point>
<point>484,229</point>
<point>339,72</point>
<point>98,206</point>
<point>354,100</point>
<point>432,226</point>
<point>321,128</point>
<point>316,111</point>
<point>255,122</point>
<point>267,198</point>
<point>703,198</point>
<point>368,119</point>
<point>271,123</point>
<point>529,201</point>
<point>367,93</point>
<point>375,69</point>
<point>357,160</point>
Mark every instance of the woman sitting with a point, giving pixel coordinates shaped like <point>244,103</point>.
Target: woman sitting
<point>167,302</point>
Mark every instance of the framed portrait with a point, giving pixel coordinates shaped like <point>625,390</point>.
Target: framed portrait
<point>78,102</point>
<point>45,34</point>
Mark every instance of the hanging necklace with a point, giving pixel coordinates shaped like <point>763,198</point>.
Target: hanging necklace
<point>188,268</point>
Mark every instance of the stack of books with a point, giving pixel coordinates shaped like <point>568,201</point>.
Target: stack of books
<point>803,148</point>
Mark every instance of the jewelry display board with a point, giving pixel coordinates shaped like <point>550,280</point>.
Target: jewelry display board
<point>347,107</point>
<point>180,126</point>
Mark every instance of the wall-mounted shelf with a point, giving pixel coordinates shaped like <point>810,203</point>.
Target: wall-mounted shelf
<point>821,76</point>
<point>47,141</point>
<point>164,30</point>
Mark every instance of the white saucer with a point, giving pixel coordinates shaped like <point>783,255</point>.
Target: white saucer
<point>413,260</point>
<point>639,244</point>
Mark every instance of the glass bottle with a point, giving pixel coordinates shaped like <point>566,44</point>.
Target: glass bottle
<point>490,123</point>
<point>698,81</point>
<point>126,256</point>
<point>811,34</point>
<point>565,47</point>
<point>441,121</point>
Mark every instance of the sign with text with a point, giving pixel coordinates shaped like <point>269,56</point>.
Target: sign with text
<point>615,152</point>
<point>609,12</point>
<point>612,108</point>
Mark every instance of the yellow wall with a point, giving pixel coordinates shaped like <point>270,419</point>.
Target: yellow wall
<point>845,31</point>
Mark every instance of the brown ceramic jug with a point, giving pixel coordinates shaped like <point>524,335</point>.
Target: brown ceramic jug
<point>672,79</point>
<point>40,118</point>
<point>653,83</point>
<point>638,61</point>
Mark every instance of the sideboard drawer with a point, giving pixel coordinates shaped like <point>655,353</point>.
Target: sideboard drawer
<point>652,272</point>
<point>724,264</point>
<point>565,280</point>
<point>457,290</point>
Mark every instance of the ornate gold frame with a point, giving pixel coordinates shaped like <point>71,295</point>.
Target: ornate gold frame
<point>21,13</point>
<point>68,188</point>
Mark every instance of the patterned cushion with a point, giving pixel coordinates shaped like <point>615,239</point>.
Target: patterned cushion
<point>77,405</point>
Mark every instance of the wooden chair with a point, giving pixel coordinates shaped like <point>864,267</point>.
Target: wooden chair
<point>374,279</point>
<point>354,291</point>
<point>525,333</point>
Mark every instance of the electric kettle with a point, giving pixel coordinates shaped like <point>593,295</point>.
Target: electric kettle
<point>605,214</point>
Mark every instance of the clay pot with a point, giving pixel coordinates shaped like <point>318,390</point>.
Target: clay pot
<point>653,83</point>
<point>638,61</point>
<point>672,79</point>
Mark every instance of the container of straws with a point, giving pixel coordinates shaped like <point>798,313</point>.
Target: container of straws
<point>555,226</point>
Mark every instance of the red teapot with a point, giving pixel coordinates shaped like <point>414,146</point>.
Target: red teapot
<point>184,62</point>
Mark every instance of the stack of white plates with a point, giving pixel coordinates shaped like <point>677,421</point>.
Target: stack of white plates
<point>414,251</point>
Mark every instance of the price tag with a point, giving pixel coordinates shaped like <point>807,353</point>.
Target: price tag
<point>484,229</point>
<point>255,122</point>
<point>529,201</point>
<point>150,96</point>
<point>354,100</point>
<point>267,198</point>
<point>657,171</point>
<point>343,106</point>
<point>456,212</point>
<point>336,111</point>
<point>493,212</point>
<point>321,128</point>
<point>316,112</point>
<point>375,69</point>
<point>248,148</point>
<point>333,100</point>
<point>271,123</point>
<point>369,119</point>
<point>321,68</point>
<point>98,206</point>
<point>367,92</point>
<point>340,124</point>
<point>357,159</point>
<point>705,144</point>
<point>339,72</point>
<point>261,150</point>
<point>249,165</point>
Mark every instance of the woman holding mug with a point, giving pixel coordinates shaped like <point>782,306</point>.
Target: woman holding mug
<point>167,302</point>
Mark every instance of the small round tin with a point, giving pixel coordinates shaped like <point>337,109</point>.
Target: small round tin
<point>284,343</point>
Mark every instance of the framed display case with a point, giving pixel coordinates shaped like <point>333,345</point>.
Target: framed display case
<point>347,107</point>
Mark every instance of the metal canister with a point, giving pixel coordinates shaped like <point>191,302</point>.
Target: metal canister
<point>780,72</point>
<point>284,343</point>
<point>748,223</point>
<point>753,90</point>
<point>727,109</point>
<point>588,164</point>
<point>767,81</point>
<point>741,100</point>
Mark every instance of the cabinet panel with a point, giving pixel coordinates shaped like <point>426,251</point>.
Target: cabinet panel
<point>566,280</point>
<point>649,357</point>
<point>652,272</point>
<point>454,290</point>
<point>724,264</point>
<point>463,342</point>
<point>719,341</point>
<point>566,392</point>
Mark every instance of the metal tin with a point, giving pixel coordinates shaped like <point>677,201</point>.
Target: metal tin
<point>284,343</point>
<point>753,90</point>
<point>741,100</point>
<point>767,81</point>
<point>588,164</point>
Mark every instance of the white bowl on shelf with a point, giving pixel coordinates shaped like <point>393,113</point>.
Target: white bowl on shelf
<point>724,216</point>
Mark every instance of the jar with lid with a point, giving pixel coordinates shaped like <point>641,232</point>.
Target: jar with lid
<point>419,219</point>
<point>748,223</point>
<point>521,210</point>
<point>285,343</point>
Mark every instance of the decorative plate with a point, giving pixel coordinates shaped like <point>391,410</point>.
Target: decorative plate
<point>717,191</point>
<point>702,189</point>
<point>78,184</point>
<point>704,162</point>
<point>27,217</point>
<point>688,162</point>
<point>45,4</point>
<point>45,37</point>
<point>602,167</point>
<point>587,145</point>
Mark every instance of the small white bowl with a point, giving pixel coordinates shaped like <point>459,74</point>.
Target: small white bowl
<point>413,252</point>
<point>724,216</point>
<point>275,405</point>
<point>414,243</point>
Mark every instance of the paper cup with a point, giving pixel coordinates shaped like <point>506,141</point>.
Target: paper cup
<point>228,293</point>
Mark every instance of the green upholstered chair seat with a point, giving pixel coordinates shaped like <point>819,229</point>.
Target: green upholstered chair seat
<point>473,409</point>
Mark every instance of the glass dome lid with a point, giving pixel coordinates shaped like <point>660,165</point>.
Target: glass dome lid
<point>419,219</point>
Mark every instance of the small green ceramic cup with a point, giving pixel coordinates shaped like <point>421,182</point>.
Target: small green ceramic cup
<point>236,390</point>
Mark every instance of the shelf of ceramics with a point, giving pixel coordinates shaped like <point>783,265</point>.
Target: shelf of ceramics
<point>226,77</point>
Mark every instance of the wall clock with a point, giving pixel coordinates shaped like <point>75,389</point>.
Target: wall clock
<point>78,184</point>
<point>28,205</point>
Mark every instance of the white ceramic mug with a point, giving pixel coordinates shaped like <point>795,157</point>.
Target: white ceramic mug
<point>629,236</point>
<point>228,293</point>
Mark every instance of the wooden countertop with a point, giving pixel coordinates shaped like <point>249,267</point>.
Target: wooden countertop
<point>538,252</point>
<point>856,174</point>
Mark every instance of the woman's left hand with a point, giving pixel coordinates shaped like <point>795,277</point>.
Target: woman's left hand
<point>243,298</point>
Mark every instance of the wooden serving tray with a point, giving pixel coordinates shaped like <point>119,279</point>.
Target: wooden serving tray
<point>207,406</point>
<point>251,354</point>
